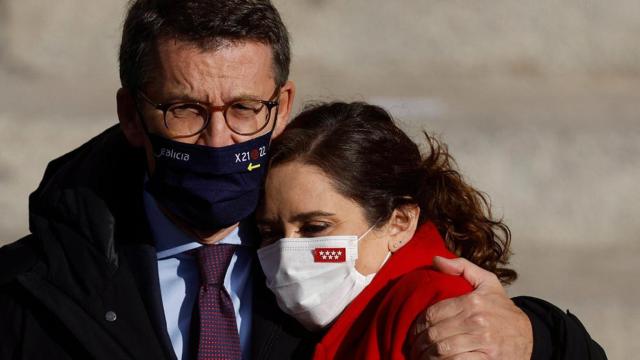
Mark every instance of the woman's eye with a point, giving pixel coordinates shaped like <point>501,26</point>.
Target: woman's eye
<point>269,236</point>
<point>311,230</point>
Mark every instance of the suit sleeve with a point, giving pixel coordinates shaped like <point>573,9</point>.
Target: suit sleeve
<point>556,334</point>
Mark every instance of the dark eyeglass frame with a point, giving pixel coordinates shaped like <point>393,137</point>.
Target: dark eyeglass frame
<point>208,109</point>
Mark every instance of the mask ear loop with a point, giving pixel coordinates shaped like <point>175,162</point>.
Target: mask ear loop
<point>273,127</point>
<point>369,230</point>
<point>386,258</point>
<point>388,252</point>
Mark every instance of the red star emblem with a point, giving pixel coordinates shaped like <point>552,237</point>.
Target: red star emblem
<point>329,255</point>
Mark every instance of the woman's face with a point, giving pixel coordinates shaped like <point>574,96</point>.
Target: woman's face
<point>301,201</point>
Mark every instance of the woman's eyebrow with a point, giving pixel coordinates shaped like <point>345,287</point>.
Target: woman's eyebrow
<point>264,221</point>
<point>305,216</point>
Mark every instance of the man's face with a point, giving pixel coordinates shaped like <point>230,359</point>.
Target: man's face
<point>185,73</point>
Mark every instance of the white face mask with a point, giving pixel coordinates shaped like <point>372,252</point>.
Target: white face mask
<point>314,279</point>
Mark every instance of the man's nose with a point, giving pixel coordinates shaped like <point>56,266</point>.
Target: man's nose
<point>217,133</point>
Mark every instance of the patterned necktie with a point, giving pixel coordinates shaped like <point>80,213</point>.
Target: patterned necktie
<point>219,337</point>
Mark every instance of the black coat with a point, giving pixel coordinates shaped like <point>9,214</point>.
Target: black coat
<point>84,284</point>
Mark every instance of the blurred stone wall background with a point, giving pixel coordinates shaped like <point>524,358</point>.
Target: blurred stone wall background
<point>539,102</point>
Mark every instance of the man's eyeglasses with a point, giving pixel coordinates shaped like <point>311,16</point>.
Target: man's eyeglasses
<point>243,117</point>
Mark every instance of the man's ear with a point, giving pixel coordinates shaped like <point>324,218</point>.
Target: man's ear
<point>128,117</point>
<point>402,225</point>
<point>287,93</point>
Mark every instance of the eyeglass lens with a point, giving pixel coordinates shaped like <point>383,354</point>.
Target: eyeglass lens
<point>243,117</point>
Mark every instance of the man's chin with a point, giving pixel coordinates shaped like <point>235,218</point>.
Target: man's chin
<point>214,236</point>
<point>205,237</point>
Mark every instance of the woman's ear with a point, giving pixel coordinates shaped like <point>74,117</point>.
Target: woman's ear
<point>128,117</point>
<point>402,225</point>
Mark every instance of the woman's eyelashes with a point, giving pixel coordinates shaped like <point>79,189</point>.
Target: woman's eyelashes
<point>270,234</point>
<point>313,229</point>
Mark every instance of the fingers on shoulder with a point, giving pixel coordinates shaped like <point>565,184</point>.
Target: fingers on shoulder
<point>453,305</point>
<point>464,346</point>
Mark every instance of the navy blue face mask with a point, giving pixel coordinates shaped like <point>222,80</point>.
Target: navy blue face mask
<point>208,188</point>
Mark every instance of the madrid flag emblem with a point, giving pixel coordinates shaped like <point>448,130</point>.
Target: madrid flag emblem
<point>329,255</point>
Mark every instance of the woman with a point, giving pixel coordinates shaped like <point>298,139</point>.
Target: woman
<point>352,218</point>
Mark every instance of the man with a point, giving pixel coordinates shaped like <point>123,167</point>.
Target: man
<point>122,225</point>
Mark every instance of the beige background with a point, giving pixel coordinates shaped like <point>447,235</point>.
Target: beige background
<point>539,102</point>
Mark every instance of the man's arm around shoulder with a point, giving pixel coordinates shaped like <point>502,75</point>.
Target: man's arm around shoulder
<point>486,324</point>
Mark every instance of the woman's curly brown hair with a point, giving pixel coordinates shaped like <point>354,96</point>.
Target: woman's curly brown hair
<point>462,214</point>
<point>370,160</point>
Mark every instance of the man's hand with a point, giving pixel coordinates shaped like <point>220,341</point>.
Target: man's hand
<point>484,324</point>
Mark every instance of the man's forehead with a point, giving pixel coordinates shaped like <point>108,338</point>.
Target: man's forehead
<point>245,66</point>
<point>204,46</point>
<point>245,52</point>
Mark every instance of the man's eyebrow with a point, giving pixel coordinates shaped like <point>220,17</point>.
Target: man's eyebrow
<point>305,216</point>
<point>180,96</point>
<point>246,96</point>
<point>185,97</point>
